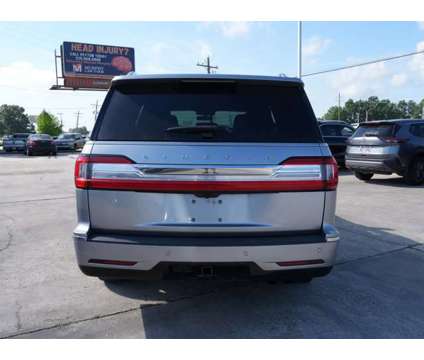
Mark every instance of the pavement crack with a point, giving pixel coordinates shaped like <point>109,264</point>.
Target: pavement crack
<point>8,242</point>
<point>137,308</point>
<point>9,233</point>
<point>18,316</point>
<point>418,248</point>
<point>414,247</point>
<point>36,200</point>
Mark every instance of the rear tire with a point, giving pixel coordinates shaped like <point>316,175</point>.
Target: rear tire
<point>363,176</point>
<point>415,172</point>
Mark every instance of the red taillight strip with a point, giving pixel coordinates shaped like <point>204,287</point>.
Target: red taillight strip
<point>328,181</point>
<point>205,186</point>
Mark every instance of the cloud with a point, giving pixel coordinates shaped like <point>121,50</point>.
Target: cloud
<point>174,57</point>
<point>315,45</point>
<point>399,80</point>
<point>361,81</point>
<point>25,76</point>
<point>417,61</point>
<point>234,29</point>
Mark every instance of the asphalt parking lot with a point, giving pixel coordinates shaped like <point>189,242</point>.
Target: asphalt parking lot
<point>375,290</point>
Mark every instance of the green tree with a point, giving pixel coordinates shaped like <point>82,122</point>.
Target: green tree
<point>81,130</point>
<point>375,109</point>
<point>418,111</point>
<point>13,119</point>
<point>48,124</point>
<point>333,113</point>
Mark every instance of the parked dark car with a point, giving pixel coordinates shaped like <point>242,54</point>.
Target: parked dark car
<point>40,144</point>
<point>386,147</point>
<point>335,134</point>
<point>15,142</point>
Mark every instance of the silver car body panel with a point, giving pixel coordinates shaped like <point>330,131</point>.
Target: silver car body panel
<point>147,211</point>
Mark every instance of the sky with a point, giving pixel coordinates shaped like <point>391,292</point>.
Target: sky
<point>259,48</point>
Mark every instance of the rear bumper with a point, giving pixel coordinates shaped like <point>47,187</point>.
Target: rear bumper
<point>13,147</point>
<point>43,150</point>
<point>261,254</point>
<point>382,165</point>
<point>65,146</point>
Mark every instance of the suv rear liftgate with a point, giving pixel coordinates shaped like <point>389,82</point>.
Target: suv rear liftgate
<point>205,171</point>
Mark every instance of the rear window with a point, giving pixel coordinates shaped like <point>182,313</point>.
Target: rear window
<point>207,111</point>
<point>380,130</point>
<point>67,136</point>
<point>40,137</point>
<point>20,136</point>
<point>336,130</point>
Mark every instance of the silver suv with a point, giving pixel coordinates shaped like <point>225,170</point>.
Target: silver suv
<point>70,141</point>
<point>206,175</point>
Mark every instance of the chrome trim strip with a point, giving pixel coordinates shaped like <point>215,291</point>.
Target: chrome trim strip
<point>206,173</point>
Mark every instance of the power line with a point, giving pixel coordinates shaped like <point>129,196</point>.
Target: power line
<point>365,63</point>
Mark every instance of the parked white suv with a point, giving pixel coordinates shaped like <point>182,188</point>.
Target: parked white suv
<point>206,174</point>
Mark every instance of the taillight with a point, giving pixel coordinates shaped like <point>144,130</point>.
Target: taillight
<point>120,173</point>
<point>329,171</point>
<point>393,140</point>
<point>82,173</point>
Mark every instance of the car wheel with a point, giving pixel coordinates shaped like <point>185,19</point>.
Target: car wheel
<point>363,176</point>
<point>415,172</point>
<point>75,147</point>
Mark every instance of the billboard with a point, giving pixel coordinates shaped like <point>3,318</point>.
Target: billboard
<point>96,61</point>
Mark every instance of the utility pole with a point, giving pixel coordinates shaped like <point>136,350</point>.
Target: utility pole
<point>208,65</point>
<point>95,112</point>
<point>78,113</point>
<point>299,49</point>
<point>338,109</point>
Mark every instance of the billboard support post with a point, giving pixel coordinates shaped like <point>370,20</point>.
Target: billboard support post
<point>55,67</point>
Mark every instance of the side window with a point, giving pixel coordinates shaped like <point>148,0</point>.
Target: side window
<point>331,130</point>
<point>327,130</point>
<point>347,131</point>
<point>417,130</point>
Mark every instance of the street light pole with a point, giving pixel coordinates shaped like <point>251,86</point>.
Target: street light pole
<point>299,49</point>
